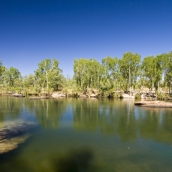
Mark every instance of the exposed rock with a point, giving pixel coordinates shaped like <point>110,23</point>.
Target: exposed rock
<point>127,96</point>
<point>17,95</point>
<point>148,95</point>
<point>93,96</point>
<point>57,95</point>
<point>154,104</point>
<point>14,133</point>
<point>7,145</point>
<point>11,129</point>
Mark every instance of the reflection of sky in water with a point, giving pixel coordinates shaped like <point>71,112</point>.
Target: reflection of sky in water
<point>137,112</point>
<point>68,115</point>
<point>161,118</point>
<point>67,119</point>
<point>25,114</point>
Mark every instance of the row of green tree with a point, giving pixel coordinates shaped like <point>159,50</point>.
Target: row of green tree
<point>48,76</point>
<point>125,73</point>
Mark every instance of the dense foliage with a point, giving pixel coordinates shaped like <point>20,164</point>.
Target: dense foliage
<point>112,74</point>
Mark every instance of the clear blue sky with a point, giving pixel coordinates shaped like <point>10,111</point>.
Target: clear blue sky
<point>33,30</point>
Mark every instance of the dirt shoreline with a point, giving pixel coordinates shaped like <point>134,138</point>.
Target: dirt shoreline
<point>158,104</point>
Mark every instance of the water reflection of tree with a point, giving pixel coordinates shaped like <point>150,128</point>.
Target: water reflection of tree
<point>116,117</point>
<point>127,124</point>
<point>107,116</point>
<point>93,115</point>
<point>48,112</point>
<point>156,124</point>
<point>10,108</point>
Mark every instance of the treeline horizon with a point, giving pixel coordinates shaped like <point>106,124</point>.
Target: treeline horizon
<point>112,74</point>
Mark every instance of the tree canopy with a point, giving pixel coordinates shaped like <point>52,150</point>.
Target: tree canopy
<point>112,74</point>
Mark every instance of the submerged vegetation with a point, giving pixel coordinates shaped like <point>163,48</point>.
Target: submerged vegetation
<point>106,79</point>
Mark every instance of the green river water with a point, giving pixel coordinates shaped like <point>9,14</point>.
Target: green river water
<point>87,135</point>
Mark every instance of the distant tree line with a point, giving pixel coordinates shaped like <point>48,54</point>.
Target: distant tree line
<point>112,74</point>
<point>126,73</point>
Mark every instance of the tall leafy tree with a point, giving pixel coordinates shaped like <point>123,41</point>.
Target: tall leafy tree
<point>12,77</point>
<point>87,73</point>
<point>110,78</point>
<point>2,73</point>
<point>168,76</point>
<point>29,81</point>
<point>152,70</point>
<point>129,69</point>
<point>49,74</point>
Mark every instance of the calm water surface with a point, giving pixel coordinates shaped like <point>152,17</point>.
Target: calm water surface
<point>88,135</point>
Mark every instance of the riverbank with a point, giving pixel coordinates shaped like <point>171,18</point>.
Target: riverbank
<point>91,93</point>
<point>154,104</point>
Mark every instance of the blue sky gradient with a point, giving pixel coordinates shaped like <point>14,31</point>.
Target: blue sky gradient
<point>33,30</point>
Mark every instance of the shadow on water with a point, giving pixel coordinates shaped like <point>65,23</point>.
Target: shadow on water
<point>10,162</point>
<point>76,160</point>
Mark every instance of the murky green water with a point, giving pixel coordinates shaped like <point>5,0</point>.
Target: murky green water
<point>88,135</point>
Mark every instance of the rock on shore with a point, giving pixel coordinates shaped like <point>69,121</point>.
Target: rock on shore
<point>14,133</point>
<point>57,95</point>
<point>17,95</point>
<point>157,104</point>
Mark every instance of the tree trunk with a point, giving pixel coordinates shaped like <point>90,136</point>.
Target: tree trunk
<point>47,80</point>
